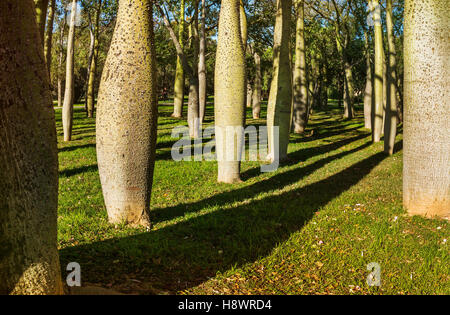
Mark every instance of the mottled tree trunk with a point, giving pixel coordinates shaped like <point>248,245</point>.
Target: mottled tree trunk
<point>426,180</point>
<point>93,67</point>
<point>257,86</point>
<point>127,116</point>
<point>49,36</point>
<point>29,262</point>
<point>179,72</point>
<point>67,111</point>
<point>378,74</point>
<point>300,89</point>
<point>202,64</point>
<point>41,7</point>
<point>390,124</point>
<point>280,98</point>
<point>229,92</point>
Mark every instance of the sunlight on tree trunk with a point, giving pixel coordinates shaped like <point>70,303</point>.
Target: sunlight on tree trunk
<point>368,91</point>
<point>193,104</point>
<point>49,36</point>
<point>426,180</point>
<point>41,17</point>
<point>390,124</point>
<point>280,98</point>
<point>378,74</point>
<point>202,65</point>
<point>179,73</point>
<point>300,90</point>
<point>93,67</point>
<point>257,86</point>
<point>29,262</point>
<point>229,92</point>
<point>127,116</point>
<point>67,111</point>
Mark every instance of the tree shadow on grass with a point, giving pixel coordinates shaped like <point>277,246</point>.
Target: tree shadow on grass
<point>186,254</point>
<point>164,214</point>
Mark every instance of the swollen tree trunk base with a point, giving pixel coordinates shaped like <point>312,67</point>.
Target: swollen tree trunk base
<point>127,116</point>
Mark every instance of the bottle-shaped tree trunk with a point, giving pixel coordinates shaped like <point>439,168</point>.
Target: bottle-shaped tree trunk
<point>390,124</point>
<point>229,92</point>
<point>280,97</point>
<point>426,180</point>
<point>29,262</point>
<point>67,111</point>
<point>178,100</point>
<point>377,127</point>
<point>127,116</point>
<point>300,89</point>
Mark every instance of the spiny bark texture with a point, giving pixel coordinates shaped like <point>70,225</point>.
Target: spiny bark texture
<point>29,262</point>
<point>280,97</point>
<point>179,73</point>
<point>49,35</point>
<point>67,111</point>
<point>229,90</point>
<point>127,116</point>
<point>244,36</point>
<point>390,124</point>
<point>426,173</point>
<point>377,127</point>
<point>300,89</point>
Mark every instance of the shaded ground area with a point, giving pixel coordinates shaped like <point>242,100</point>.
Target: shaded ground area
<point>309,228</point>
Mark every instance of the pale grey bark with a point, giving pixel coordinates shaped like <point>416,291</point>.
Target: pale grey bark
<point>67,111</point>
<point>426,157</point>
<point>127,116</point>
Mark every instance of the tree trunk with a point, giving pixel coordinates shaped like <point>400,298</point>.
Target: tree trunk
<point>390,125</point>
<point>202,65</point>
<point>257,85</point>
<point>60,59</point>
<point>300,90</point>
<point>378,75</point>
<point>29,262</point>
<point>229,92</point>
<point>193,104</point>
<point>41,17</point>
<point>426,180</point>
<point>127,116</point>
<point>67,111</point>
<point>179,74</point>
<point>93,68</point>
<point>49,36</point>
<point>280,98</point>
<point>249,95</point>
<point>244,36</point>
<point>368,99</point>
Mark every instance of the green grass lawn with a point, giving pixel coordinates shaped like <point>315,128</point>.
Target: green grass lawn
<point>311,227</point>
